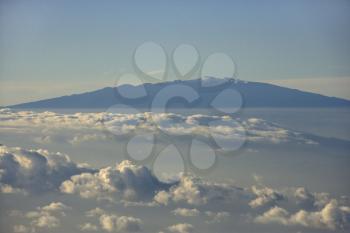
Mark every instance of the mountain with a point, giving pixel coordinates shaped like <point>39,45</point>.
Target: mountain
<point>254,94</point>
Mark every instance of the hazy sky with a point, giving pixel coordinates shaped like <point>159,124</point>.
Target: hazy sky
<point>51,48</point>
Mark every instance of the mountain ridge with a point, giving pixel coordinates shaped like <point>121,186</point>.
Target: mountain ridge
<point>254,94</point>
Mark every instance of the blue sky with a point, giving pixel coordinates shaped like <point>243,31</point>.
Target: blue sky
<point>51,48</point>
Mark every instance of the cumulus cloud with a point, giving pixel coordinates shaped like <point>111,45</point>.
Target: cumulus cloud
<point>125,181</point>
<point>308,200</point>
<point>88,227</point>
<point>331,216</point>
<point>181,228</point>
<point>112,222</point>
<point>34,170</point>
<point>195,191</point>
<point>94,212</point>
<point>46,217</point>
<point>265,196</point>
<point>186,212</point>
<point>126,178</point>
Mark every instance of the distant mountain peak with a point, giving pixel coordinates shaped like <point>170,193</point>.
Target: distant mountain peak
<point>254,94</point>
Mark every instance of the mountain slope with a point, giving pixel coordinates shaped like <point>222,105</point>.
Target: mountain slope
<point>254,94</point>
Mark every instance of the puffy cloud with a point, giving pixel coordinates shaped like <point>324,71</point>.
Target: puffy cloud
<point>331,216</point>
<point>195,191</point>
<point>186,212</point>
<point>108,222</point>
<point>136,185</point>
<point>308,200</point>
<point>88,227</point>
<point>94,212</point>
<point>45,220</point>
<point>274,215</point>
<point>46,217</point>
<point>125,181</point>
<point>181,228</point>
<point>79,138</point>
<point>55,206</point>
<point>162,197</point>
<point>34,170</point>
<point>5,188</point>
<point>112,222</point>
<point>265,196</point>
<point>128,224</point>
<point>304,198</point>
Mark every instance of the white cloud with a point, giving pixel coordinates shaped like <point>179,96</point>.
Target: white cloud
<point>181,228</point>
<point>88,227</point>
<point>46,217</point>
<point>331,216</point>
<point>186,212</point>
<point>128,224</point>
<point>274,215</point>
<point>133,185</point>
<point>81,127</point>
<point>265,196</point>
<point>5,188</point>
<point>162,197</point>
<point>27,170</point>
<point>125,181</point>
<point>112,222</point>
<point>94,212</point>
<point>195,191</point>
<point>55,206</point>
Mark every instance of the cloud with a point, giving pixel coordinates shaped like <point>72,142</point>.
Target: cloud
<point>34,170</point>
<point>308,200</point>
<point>181,228</point>
<point>55,207</point>
<point>265,196</point>
<point>125,181</point>
<point>195,191</point>
<point>46,217</point>
<point>94,212</point>
<point>82,127</point>
<point>112,222</point>
<point>79,138</point>
<point>186,212</point>
<point>5,188</point>
<point>88,227</point>
<point>331,216</point>
<point>273,215</point>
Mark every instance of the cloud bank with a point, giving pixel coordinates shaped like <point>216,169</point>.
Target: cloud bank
<point>227,132</point>
<point>38,171</point>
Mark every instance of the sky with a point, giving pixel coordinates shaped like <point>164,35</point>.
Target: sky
<point>53,48</point>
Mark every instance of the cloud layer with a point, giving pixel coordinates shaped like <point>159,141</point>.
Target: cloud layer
<point>39,171</point>
<point>227,132</point>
